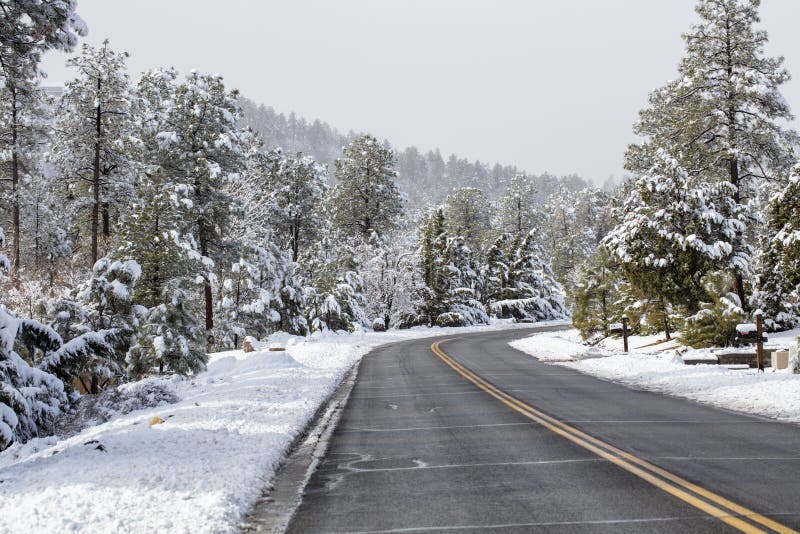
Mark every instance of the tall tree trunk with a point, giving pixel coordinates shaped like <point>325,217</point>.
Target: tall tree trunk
<point>207,294</point>
<point>98,126</point>
<point>738,284</point>
<point>15,223</point>
<point>106,221</point>
<point>95,203</point>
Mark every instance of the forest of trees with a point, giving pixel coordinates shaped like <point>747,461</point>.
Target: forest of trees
<point>704,235</point>
<point>147,220</point>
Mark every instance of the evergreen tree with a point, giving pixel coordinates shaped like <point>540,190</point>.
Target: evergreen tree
<point>519,213</point>
<point>30,398</point>
<point>674,228</point>
<point>779,277</point>
<point>468,215</point>
<point>295,190</point>
<point>722,118</point>
<point>595,294</point>
<point>169,338</point>
<point>201,147</point>
<point>366,199</point>
<point>110,320</point>
<point>23,130</point>
<point>90,147</point>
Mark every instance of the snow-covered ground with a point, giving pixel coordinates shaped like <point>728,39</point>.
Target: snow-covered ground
<point>202,468</point>
<point>658,367</point>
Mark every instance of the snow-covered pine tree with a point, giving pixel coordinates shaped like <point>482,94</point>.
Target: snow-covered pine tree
<point>468,214</point>
<point>387,271</point>
<point>497,273</point>
<point>519,281</point>
<point>30,398</point>
<point>260,288</point>
<point>563,233</point>
<point>28,29</point>
<point>23,130</point>
<point>295,189</point>
<point>170,339</point>
<point>432,290</point>
<point>723,117</point>
<point>90,147</point>
<point>366,198</point>
<point>594,295</point>
<point>519,212</point>
<point>201,147</point>
<point>105,300</point>
<point>461,282</point>
<point>538,295</point>
<point>674,228</point>
<point>779,276</point>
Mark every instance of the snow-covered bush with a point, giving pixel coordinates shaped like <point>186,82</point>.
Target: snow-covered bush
<point>378,325</point>
<point>450,319</point>
<point>30,398</point>
<point>170,339</point>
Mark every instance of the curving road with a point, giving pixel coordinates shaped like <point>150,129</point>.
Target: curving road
<point>473,435</point>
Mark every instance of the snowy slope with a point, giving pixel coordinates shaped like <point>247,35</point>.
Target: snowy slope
<point>772,394</point>
<point>203,468</point>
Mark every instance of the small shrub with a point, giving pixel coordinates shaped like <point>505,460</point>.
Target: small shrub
<point>715,324</point>
<point>450,319</point>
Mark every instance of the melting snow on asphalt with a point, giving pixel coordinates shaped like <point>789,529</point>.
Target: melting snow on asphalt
<point>202,468</point>
<point>657,367</point>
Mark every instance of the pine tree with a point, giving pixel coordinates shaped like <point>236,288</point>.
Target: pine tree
<point>28,29</point>
<point>30,398</point>
<point>169,339</point>
<point>433,289</point>
<point>519,212</point>
<point>675,228</point>
<point>295,187</point>
<point>722,118</point>
<point>110,320</point>
<point>366,199</point>
<point>779,277</point>
<point>23,129</point>
<point>468,214</point>
<point>90,147</point>
<point>595,294</point>
<point>202,148</point>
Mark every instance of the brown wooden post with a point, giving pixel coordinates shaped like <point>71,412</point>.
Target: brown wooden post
<point>760,341</point>
<point>625,332</point>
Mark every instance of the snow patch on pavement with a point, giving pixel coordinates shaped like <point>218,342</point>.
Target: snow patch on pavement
<point>772,394</point>
<point>203,468</point>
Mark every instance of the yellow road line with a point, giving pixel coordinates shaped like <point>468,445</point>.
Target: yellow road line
<point>668,482</point>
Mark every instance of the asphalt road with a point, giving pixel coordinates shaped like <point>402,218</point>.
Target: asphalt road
<point>506,443</point>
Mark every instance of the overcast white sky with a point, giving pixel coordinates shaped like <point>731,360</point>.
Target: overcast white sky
<point>546,85</point>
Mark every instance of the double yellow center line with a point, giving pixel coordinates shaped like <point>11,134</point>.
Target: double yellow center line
<point>733,514</point>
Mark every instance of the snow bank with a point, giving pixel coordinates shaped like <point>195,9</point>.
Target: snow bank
<point>773,394</point>
<point>202,468</point>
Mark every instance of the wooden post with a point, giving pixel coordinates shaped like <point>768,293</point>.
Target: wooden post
<point>760,341</point>
<point>625,332</point>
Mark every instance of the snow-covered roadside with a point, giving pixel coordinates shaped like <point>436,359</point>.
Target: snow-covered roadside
<point>204,467</point>
<point>658,368</point>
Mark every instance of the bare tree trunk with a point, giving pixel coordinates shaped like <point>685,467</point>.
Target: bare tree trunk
<point>207,294</point>
<point>15,224</point>
<point>96,181</point>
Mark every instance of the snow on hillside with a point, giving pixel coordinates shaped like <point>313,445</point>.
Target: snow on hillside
<point>658,368</point>
<point>204,467</point>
